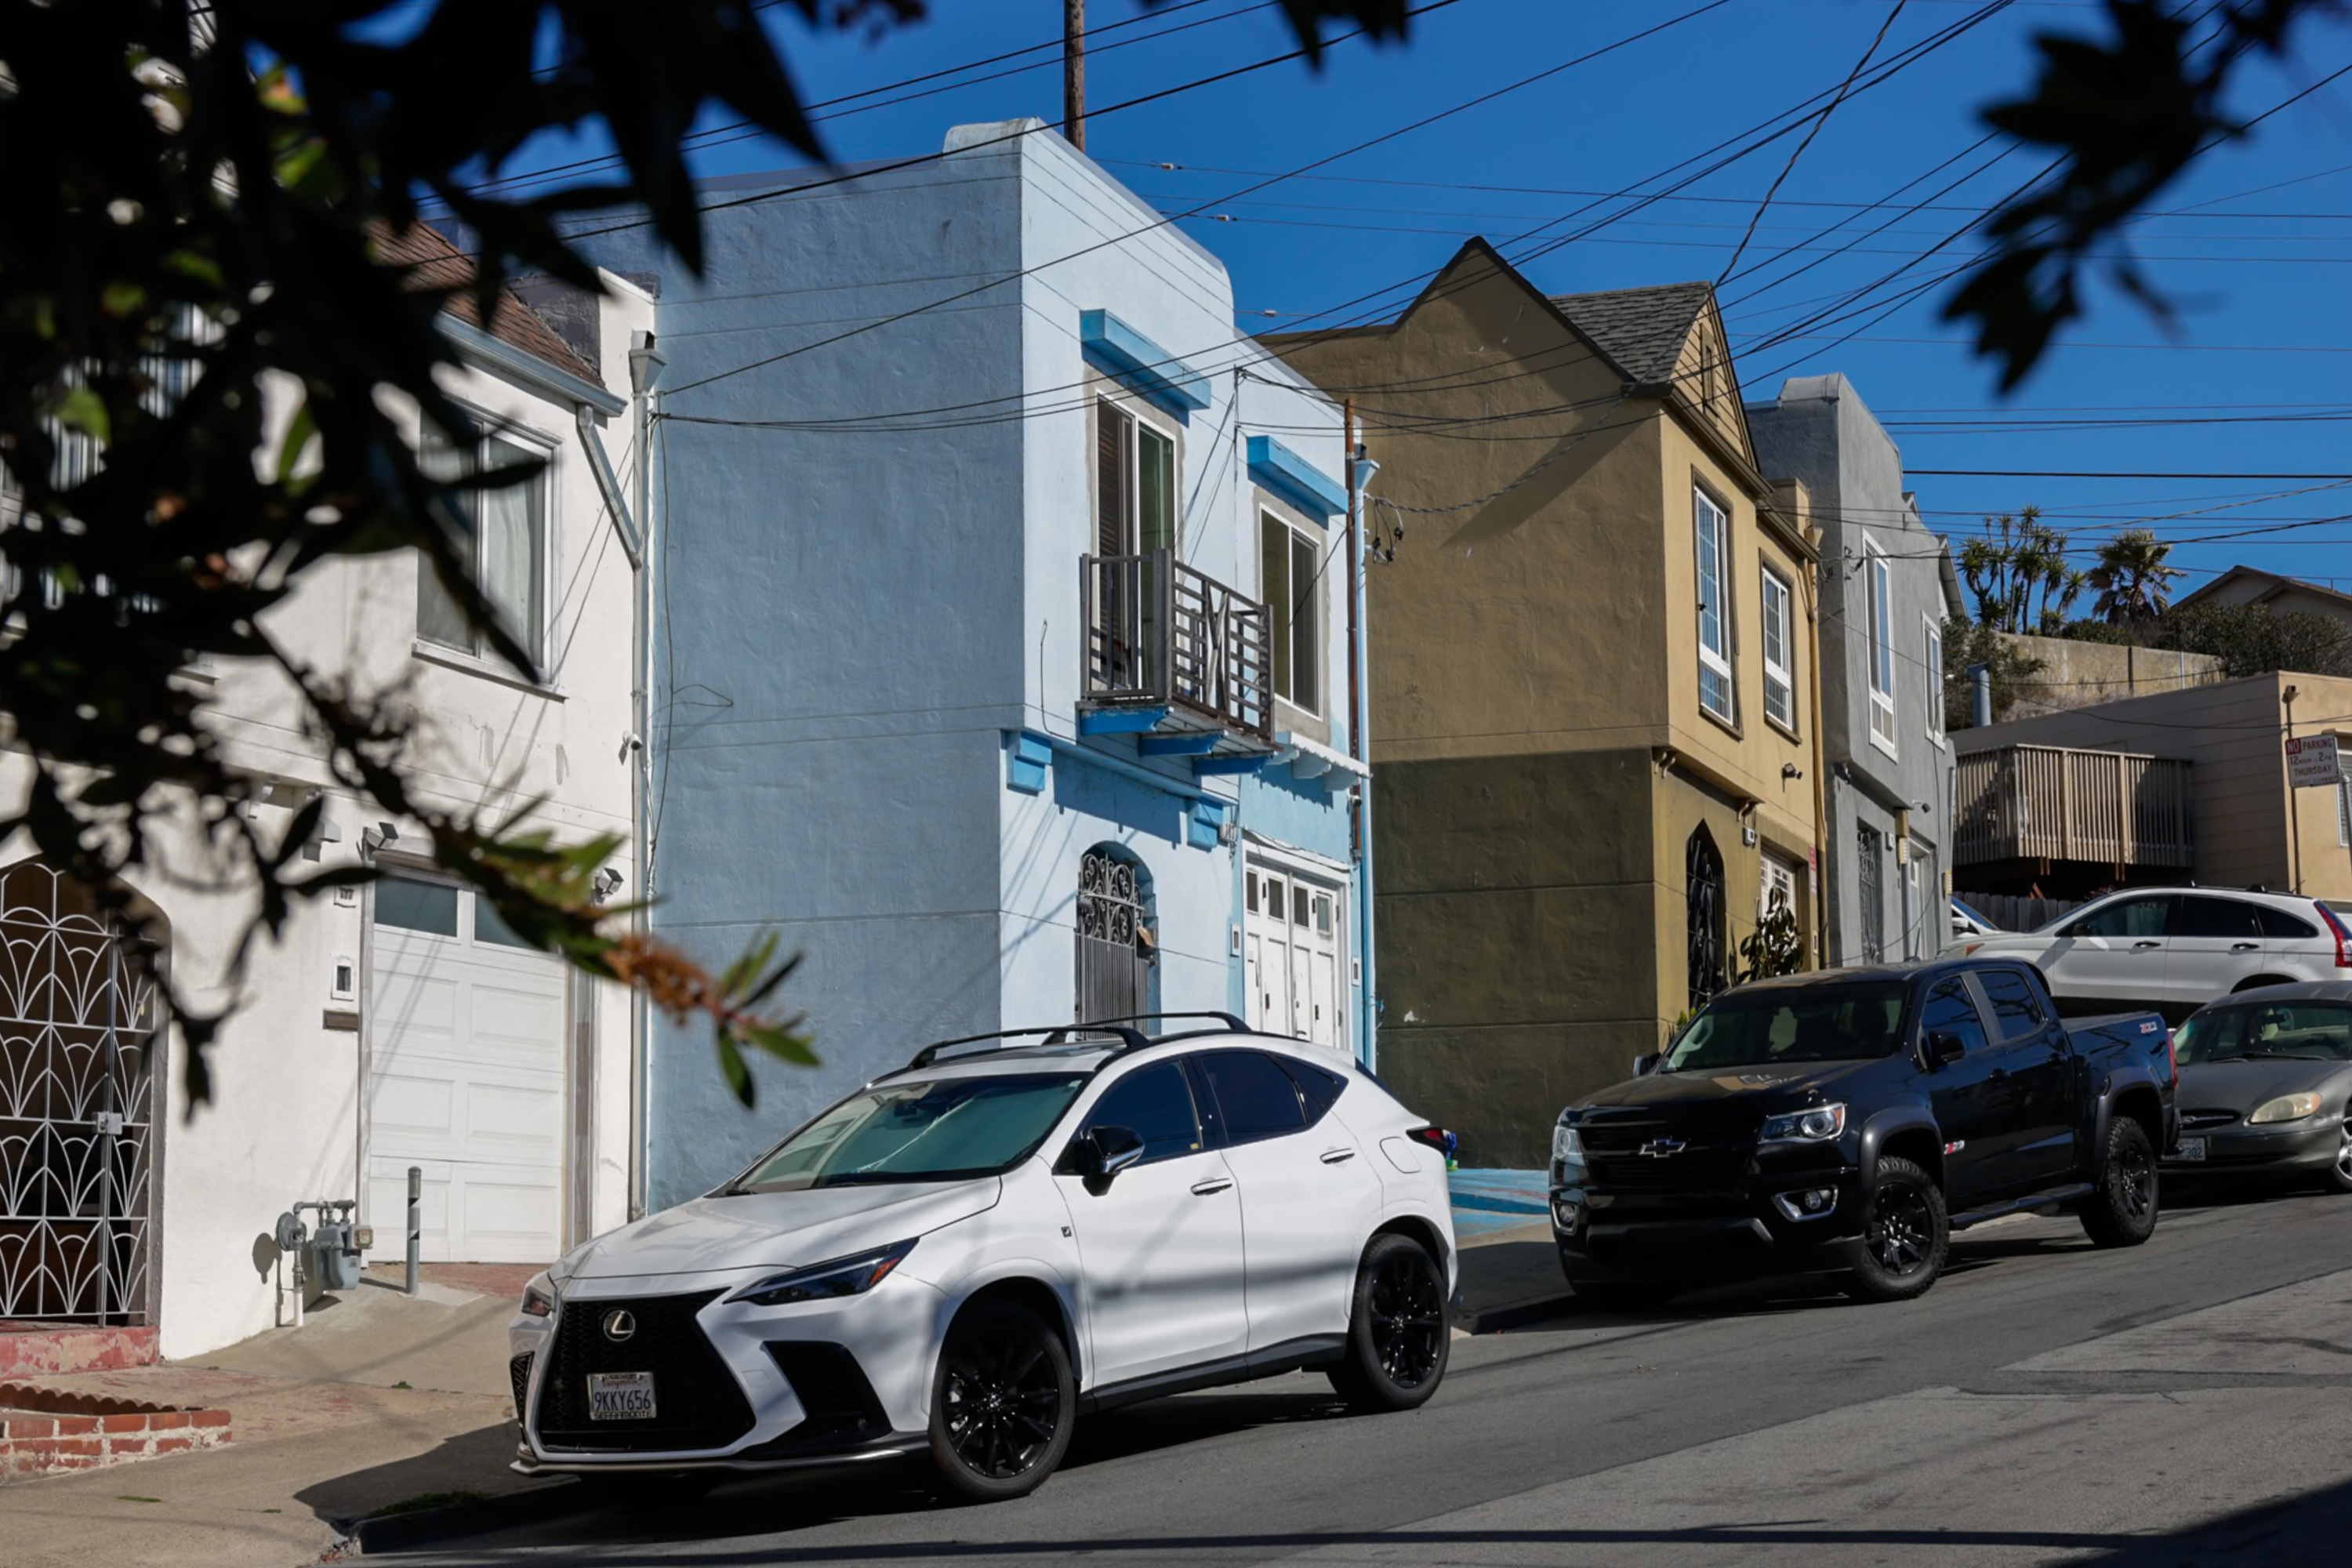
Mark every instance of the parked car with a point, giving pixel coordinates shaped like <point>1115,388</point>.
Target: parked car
<point>1967,923</point>
<point>2266,1085</point>
<point>964,1256</point>
<point>1847,1121</point>
<point>2176,949</point>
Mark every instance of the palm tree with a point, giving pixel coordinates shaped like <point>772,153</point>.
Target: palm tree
<point>2134,583</point>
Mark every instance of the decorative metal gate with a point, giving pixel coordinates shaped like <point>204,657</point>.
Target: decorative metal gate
<point>1867,848</point>
<point>1703,892</point>
<point>1114,938</point>
<point>78,1016</point>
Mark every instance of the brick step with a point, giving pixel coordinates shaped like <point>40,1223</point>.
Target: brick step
<point>46,1430</point>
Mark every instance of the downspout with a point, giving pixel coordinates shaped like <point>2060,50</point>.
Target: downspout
<point>1360,469</point>
<point>1825,895</point>
<point>645,369</point>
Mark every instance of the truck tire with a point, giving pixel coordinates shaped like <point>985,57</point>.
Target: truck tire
<point>2121,1209</point>
<point>1906,1235</point>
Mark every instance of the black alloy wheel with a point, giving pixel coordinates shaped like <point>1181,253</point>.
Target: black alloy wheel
<point>1397,1335</point>
<point>2121,1210</point>
<point>1905,1235</point>
<point>1002,1404</point>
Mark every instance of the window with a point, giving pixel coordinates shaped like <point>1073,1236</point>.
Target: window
<point>2278,923</point>
<point>1762,1025</point>
<point>1715,686</point>
<point>1932,703</point>
<point>2223,919</point>
<point>2141,917</point>
<point>1155,1103</point>
<point>1882,646</point>
<point>2014,1005</point>
<point>1950,1010</point>
<point>505,531</point>
<point>1135,481</point>
<point>1319,1088</point>
<point>1775,886</point>
<point>411,905</point>
<point>492,927</point>
<point>1780,661</point>
<point>947,1130</point>
<point>1289,575</point>
<point>1255,1097</point>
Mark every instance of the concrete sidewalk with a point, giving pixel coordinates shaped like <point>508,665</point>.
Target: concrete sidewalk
<point>377,1401</point>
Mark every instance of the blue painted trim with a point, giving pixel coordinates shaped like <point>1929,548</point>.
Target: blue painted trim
<point>1164,783</point>
<point>1028,758</point>
<point>1120,720</point>
<point>1120,350</point>
<point>1199,745</point>
<point>1201,823</point>
<point>1296,480</point>
<point>1241,764</point>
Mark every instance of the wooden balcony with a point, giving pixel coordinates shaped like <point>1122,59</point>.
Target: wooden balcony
<point>2117,809</point>
<point>1173,650</point>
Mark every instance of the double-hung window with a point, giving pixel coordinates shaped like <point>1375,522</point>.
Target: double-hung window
<point>1881,583</point>
<point>1291,575</point>
<point>1933,653</point>
<point>1779,660</point>
<point>1715,686</point>
<point>506,535</point>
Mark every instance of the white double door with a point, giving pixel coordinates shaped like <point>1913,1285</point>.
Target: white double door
<point>1292,922</point>
<point>466,1081</point>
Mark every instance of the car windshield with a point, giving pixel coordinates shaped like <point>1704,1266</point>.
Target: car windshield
<point>2308,1031</point>
<point>944,1129</point>
<point>1793,1023</point>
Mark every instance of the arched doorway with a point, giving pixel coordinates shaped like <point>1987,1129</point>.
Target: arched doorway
<point>1703,897</point>
<point>1116,943</point>
<point>80,1051</point>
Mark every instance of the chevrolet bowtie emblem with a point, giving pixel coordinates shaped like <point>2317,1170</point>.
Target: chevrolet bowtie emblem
<point>1659,1148</point>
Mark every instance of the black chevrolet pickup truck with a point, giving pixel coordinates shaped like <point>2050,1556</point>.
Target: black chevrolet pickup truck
<point>1846,1121</point>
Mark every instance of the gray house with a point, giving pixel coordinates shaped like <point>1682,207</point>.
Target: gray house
<point>1887,585</point>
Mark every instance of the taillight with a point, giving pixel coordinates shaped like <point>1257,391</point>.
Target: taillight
<point>1436,1138</point>
<point>2343,937</point>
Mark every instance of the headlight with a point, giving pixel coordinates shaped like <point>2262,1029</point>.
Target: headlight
<point>1565,1146</point>
<point>539,1297</point>
<point>1815,1125</point>
<point>2286,1108</point>
<point>824,1282</point>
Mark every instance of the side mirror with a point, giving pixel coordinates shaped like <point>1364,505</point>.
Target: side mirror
<point>1103,1152</point>
<point>1944,1048</point>
<point>1644,1065</point>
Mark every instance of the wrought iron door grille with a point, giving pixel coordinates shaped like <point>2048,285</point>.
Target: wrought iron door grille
<point>1702,889</point>
<point>77,1023</point>
<point>1114,978</point>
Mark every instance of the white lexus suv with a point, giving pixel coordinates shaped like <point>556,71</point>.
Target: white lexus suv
<point>965,1255</point>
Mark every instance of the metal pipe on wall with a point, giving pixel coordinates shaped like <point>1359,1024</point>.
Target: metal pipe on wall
<point>645,364</point>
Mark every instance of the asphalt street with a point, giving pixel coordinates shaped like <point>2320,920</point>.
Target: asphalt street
<point>2182,1403</point>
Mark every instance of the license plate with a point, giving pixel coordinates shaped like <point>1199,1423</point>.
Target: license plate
<point>2190,1149</point>
<point>620,1396</point>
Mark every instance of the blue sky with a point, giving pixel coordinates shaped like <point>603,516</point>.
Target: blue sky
<point>2259,273</point>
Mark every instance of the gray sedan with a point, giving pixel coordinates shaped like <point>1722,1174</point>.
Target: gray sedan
<point>2265,1076</point>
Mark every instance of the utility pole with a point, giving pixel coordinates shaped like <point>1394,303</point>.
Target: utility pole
<point>1074,72</point>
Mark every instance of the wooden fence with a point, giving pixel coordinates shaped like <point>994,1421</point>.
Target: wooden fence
<point>2052,803</point>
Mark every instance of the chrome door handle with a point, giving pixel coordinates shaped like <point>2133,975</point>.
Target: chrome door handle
<point>1213,1184</point>
<point>2140,944</point>
<point>2243,946</point>
<point>1333,1157</point>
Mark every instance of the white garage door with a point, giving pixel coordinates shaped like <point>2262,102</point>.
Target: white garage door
<point>465,1080</point>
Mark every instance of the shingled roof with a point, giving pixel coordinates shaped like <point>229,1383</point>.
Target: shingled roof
<point>434,263</point>
<point>1643,330</point>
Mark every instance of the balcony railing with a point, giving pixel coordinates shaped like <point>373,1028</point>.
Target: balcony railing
<point>1160,635</point>
<point>2053,803</point>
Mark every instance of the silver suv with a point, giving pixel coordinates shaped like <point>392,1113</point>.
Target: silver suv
<point>2176,949</point>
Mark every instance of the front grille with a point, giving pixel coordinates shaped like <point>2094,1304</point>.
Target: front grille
<point>2197,1120</point>
<point>697,1404</point>
<point>1713,1153</point>
<point>1691,1168</point>
<point>841,1410</point>
<point>519,1373</point>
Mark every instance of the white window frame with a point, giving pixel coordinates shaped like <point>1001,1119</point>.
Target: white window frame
<point>1878,637</point>
<point>1931,645</point>
<point>1140,417</point>
<point>540,641</point>
<point>1779,621</point>
<point>1710,522</point>
<point>1278,616</point>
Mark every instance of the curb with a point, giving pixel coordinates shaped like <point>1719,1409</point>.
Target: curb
<point>1514,1314</point>
<point>406,1531</point>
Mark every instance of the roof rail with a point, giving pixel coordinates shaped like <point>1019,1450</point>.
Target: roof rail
<point>1053,1035</point>
<point>1225,1018</point>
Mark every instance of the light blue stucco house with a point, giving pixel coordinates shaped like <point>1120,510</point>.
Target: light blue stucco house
<point>1002,628</point>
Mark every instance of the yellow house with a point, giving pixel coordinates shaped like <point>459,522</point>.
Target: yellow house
<point>1593,713</point>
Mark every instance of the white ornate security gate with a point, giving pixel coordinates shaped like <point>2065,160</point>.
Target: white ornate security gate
<point>77,1076</point>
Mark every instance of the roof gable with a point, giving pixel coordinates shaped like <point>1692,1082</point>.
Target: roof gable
<point>1642,331</point>
<point>431,262</point>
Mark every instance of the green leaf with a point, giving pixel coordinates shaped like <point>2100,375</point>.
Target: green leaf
<point>300,431</point>
<point>84,410</point>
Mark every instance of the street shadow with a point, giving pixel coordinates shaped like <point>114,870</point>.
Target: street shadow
<point>469,1462</point>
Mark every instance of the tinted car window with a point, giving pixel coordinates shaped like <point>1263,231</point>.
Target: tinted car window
<point>1154,1103</point>
<point>1950,1010</point>
<point>2145,916</point>
<point>2309,1031</point>
<point>2279,923</point>
<point>1255,1097</point>
<point>1316,1087</point>
<point>2195,916</point>
<point>1759,1026</point>
<point>2016,1010</point>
